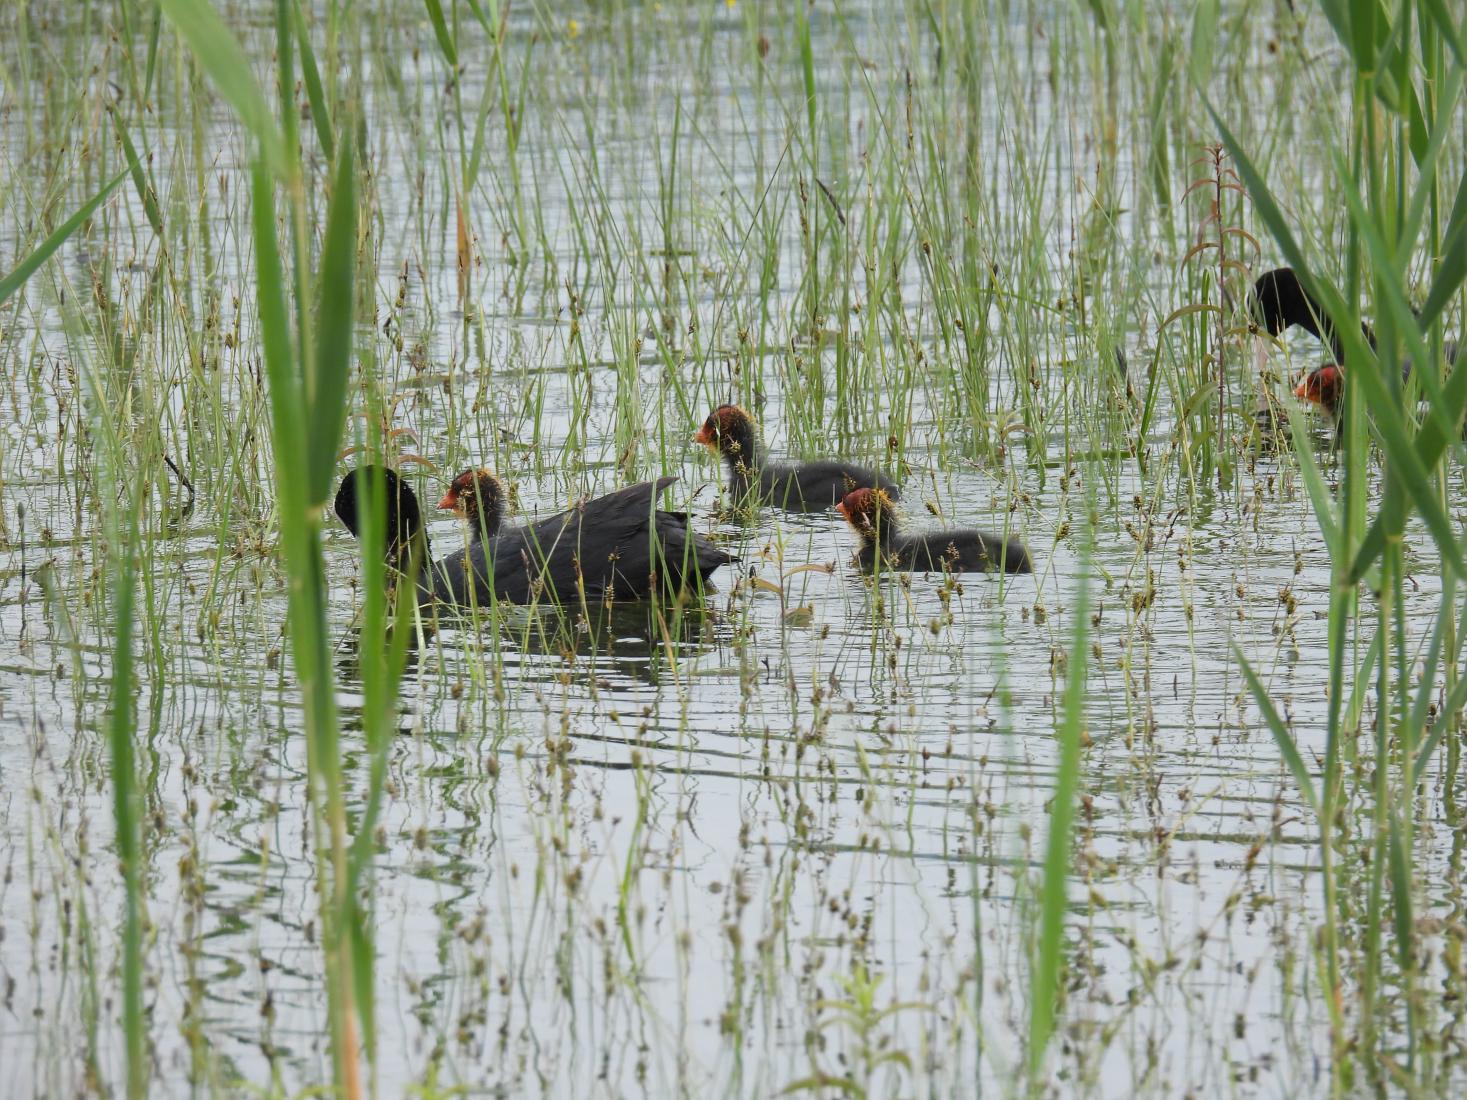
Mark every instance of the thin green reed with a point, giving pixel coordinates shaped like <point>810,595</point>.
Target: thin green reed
<point>1390,181</point>
<point>307,354</point>
<point>810,211</point>
<point>1047,960</point>
<point>127,799</point>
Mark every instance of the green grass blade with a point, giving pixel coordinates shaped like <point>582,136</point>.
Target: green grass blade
<point>224,62</point>
<point>335,296</point>
<point>1393,306</point>
<point>300,539</point>
<point>1421,704</point>
<point>1362,683</point>
<point>807,68</point>
<point>489,23</point>
<point>154,32</point>
<point>1287,748</point>
<point>441,32</point>
<point>1411,476</point>
<point>126,805</point>
<point>1451,34</point>
<point>1399,863</point>
<point>1431,441</point>
<point>1100,14</point>
<point>27,267</point>
<point>1453,267</point>
<point>1049,950</point>
<point>476,155</point>
<point>285,391</point>
<point>1320,497</point>
<point>1426,184</point>
<point>1446,717</point>
<point>1204,39</point>
<point>311,76</point>
<point>140,181</point>
<point>363,963</point>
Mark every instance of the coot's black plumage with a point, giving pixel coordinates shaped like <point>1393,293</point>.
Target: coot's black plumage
<point>619,545</point>
<point>1278,301</point>
<point>871,514</point>
<point>794,486</point>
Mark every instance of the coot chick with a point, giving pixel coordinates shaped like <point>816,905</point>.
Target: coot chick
<point>476,497</point>
<point>620,545</point>
<point>871,513</point>
<point>1325,385</point>
<point>796,486</point>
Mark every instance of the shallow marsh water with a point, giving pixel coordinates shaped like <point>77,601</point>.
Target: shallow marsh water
<point>788,839</point>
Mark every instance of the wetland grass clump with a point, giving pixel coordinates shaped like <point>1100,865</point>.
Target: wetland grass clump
<point>1404,214</point>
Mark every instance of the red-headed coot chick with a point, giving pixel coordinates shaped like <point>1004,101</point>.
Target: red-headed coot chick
<point>796,486</point>
<point>616,546</point>
<point>1325,386</point>
<point>476,497</point>
<point>871,513</point>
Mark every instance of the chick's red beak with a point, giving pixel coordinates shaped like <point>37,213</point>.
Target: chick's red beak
<point>1302,390</point>
<point>449,502</point>
<point>704,436</point>
<point>841,508</point>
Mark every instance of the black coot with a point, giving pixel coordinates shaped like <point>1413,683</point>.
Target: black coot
<point>404,527</point>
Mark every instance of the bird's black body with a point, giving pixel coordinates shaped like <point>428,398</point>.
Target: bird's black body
<point>619,545</point>
<point>957,551</point>
<point>1278,301</point>
<point>404,525</point>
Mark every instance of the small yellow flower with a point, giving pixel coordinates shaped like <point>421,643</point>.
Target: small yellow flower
<point>573,28</point>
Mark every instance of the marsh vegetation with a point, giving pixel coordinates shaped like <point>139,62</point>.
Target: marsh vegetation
<point>1180,812</point>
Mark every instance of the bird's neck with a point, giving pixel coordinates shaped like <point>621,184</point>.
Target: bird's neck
<point>1311,317</point>
<point>411,556</point>
<point>484,520</point>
